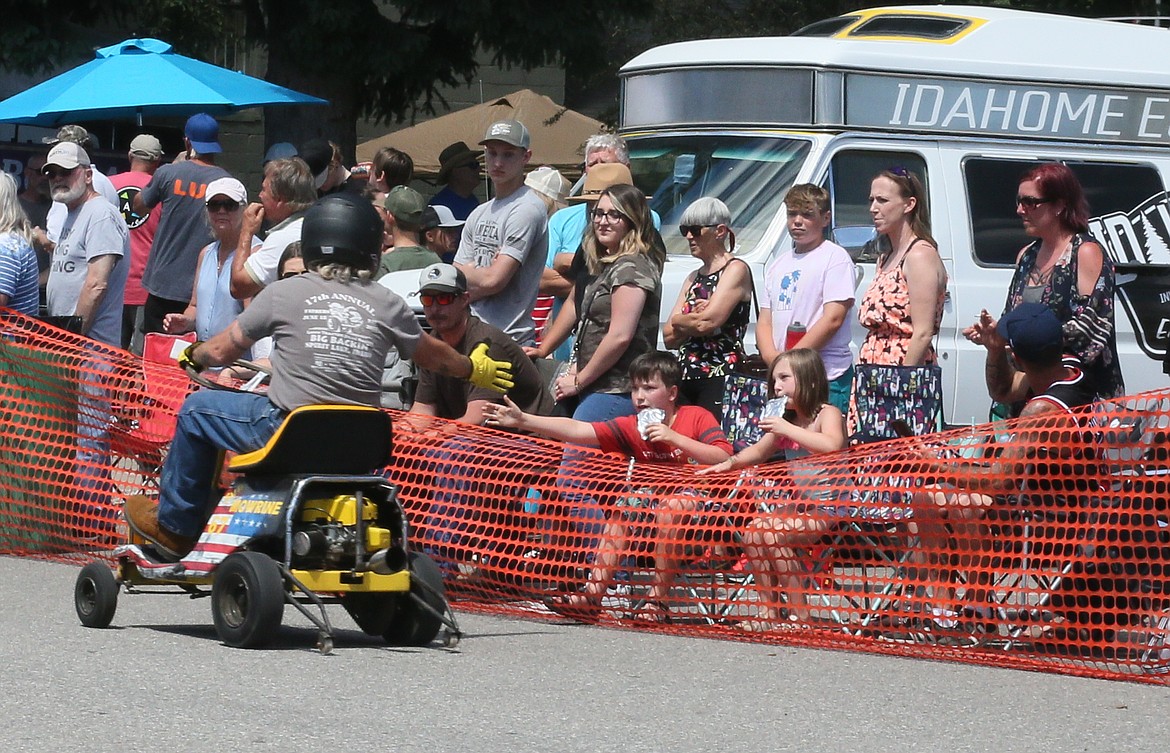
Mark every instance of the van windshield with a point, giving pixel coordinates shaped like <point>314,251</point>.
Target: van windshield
<point>750,174</point>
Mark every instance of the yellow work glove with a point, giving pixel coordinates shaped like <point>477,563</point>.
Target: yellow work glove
<point>489,373</point>
<point>187,358</point>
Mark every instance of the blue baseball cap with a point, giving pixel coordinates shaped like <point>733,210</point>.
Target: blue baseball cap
<point>202,131</point>
<point>1032,330</point>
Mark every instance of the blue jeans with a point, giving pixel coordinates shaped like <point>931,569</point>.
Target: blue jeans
<point>598,406</point>
<point>94,416</point>
<point>210,421</point>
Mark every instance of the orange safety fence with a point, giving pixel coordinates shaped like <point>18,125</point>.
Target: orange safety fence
<point>1035,543</point>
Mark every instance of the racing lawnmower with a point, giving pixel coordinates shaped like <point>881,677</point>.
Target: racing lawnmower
<point>308,522</point>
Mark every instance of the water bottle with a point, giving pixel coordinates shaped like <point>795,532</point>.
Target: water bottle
<point>796,331</point>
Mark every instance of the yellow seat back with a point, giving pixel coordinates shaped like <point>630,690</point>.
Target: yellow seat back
<point>323,439</point>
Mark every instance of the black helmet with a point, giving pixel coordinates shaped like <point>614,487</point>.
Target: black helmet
<point>342,229</point>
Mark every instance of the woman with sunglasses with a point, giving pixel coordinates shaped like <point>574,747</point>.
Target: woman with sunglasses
<point>1066,270</point>
<point>212,307</point>
<point>615,314</point>
<point>710,317</point>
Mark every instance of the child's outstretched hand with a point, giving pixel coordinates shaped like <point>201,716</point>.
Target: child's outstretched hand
<point>506,416</point>
<point>726,465</point>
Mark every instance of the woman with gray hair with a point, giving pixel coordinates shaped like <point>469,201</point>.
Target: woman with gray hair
<point>710,317</point>
<point>18,261</point>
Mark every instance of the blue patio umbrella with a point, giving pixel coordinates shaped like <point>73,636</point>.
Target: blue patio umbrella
<point>140,77</point>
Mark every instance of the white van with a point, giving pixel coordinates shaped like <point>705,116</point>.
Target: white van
<point>968,98</point>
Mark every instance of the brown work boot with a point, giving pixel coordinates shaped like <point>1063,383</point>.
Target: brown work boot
<point>142,517</point>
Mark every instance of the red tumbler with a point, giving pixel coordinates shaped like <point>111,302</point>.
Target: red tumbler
<point>796,331</point>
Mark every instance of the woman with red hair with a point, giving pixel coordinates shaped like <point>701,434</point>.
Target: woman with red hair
<point>1068,271</point>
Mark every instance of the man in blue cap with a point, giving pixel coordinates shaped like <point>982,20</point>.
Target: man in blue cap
<point>1047,465</point>
<point>1026,361</point>
<point>182,228</point>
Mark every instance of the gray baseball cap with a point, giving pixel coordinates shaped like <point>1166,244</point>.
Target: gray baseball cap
<point>508,131</point>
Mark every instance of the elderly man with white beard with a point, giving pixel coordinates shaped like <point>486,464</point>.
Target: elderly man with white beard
<point>88,272</point>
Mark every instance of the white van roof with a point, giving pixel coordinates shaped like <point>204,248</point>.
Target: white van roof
<point>992,42</point>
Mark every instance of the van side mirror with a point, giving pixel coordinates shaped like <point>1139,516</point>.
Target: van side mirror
<point>853,238</point>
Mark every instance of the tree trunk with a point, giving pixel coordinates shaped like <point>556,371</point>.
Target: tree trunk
<point>336,122</point>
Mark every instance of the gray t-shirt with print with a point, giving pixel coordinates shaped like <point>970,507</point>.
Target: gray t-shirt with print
<point>183,229</point>
<point>329,338</point>
<point>94,229</point>
<point>517,226</point>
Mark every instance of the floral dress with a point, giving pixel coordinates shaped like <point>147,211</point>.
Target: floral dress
<point>1089,331</point>
<point>716,354</point>
<point>885,312</point>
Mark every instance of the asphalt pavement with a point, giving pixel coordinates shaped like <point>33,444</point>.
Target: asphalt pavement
<point>159,680</point>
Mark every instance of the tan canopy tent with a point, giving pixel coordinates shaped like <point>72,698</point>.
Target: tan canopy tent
<point>558,133</point>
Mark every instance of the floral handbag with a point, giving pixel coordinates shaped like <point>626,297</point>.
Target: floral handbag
<point>885,393</point>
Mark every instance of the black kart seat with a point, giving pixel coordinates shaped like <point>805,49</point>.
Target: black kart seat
<point>323,439</point>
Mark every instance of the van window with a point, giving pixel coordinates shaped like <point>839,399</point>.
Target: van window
<point>991,184</point>
<point>748,174</point>
<point>850,176</point>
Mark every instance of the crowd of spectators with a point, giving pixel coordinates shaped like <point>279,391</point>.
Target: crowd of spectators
<point>176,247</point>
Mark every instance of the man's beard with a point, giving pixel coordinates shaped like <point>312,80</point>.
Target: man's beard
<point>68,195</point>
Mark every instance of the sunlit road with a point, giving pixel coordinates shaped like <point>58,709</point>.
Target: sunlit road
<point>159,680</point>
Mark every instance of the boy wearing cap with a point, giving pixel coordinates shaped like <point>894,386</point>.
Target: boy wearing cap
<point>441,231</point>
<point>182,227</point>
<point>404,210</point>
<point>324,161</point>
<point>505,240</point>
<point>459,171</point>
<point>145,154</point>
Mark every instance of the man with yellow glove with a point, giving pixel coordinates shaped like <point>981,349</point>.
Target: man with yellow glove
<point>331,329</point>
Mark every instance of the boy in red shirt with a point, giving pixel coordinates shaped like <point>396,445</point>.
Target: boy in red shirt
<point>662,432</point>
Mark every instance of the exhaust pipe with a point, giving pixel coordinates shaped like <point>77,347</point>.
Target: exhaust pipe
<point>389,560</point>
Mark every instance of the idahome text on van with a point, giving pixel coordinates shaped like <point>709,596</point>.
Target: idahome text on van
<point>967,97</point>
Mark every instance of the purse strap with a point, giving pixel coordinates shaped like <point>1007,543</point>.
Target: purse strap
<point>581,324</point>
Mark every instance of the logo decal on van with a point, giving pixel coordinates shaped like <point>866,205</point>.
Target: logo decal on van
<point>1138,241</point>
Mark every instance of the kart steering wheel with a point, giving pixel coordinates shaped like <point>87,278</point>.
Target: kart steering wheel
<point>263,374</point>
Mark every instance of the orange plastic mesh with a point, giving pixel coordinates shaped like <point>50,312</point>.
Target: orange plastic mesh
<point>1033,544</point>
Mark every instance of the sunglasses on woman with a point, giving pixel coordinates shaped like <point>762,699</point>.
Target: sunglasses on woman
<point>695,230</point>
<point>1030,202</point>
<point>286,275</point>
<point>443,299</point>
<point>226,205</point>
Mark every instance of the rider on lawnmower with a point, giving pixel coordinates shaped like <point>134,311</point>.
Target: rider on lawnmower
<point>331,330</point>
